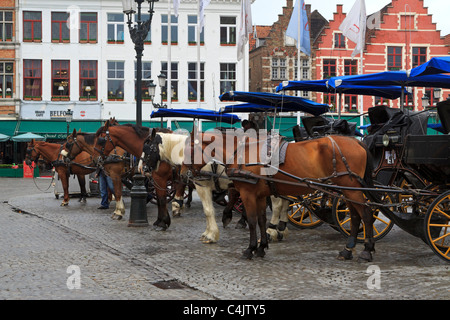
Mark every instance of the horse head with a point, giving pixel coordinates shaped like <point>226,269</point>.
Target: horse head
<point>152,150</point>
<point>32,152</point>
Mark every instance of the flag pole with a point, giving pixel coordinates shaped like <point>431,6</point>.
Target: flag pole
<point>198,56</point>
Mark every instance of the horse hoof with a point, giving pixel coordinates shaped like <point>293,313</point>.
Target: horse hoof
<point>64,204</point>
<point>345,254</point>
<point>159,228</point>
<point>365,256</point>
<point>260,252</point>
<point>247,255</point>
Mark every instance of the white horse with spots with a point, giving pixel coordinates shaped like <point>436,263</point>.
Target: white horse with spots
<point>171,148</point>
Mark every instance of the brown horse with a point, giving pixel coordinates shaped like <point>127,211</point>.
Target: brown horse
<point>132,139</point>
<point>342,161</point>
<point>50,152</point>
<point>114,165</point>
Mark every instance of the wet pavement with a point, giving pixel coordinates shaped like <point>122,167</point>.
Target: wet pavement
<point>79,252</point>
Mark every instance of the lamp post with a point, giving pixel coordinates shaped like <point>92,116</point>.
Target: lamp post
<point>69,115</point>
<point>138,32</point>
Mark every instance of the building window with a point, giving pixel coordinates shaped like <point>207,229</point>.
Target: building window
<point>339,41</point>
<point>60,27</point>
<point>32,26</point>
<point>116,79</point>
<point>174,80</point>
<point>165,29</point>
<point>6,79</point>
<point>394,58</point>
<point>146,77</point>
<point>227,30</point>
<point>227,77</point>
<point>351,68</point>
<point>192,31</point>
<point>88,80</point>
<point>6,25</point>
<point>419,56</point>
<point>60,79</point>
<point>32,79</point>
<point>88,27</point>
<point>115,28</point>
<point>279,69</point>
<point>329,68</point>
<point>192,81</point>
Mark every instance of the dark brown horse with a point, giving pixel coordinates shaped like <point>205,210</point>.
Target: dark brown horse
<point>341,161</point>
<point>114,165</point>
<point>50,152</point>
<point>132,139</point>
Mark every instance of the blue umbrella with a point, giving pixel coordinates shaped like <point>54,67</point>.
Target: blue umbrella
<point>392,78</point>
<point>27,137</point>
<point>275,102</point>
<point>3,137</point>
<point>433,66</point>
<point>196,114</point>
<point>388,92</point>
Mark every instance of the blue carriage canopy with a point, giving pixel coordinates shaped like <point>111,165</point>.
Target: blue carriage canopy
<point>388,92</point>
<point>433,66</point>
<point>392,78</point>
<point>198,113</point>
<point>263,101</point>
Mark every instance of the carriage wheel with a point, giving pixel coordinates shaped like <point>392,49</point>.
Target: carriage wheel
<point>437,226</point>
<point>341,217</point>
<point>301,214</point>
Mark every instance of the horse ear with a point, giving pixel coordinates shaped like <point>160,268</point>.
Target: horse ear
<point>153,135</point>
<point>74,133</point>
<point>107,124</point>
<point>32,141</point>
<point>79,130</point>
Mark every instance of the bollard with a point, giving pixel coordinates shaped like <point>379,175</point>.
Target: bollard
<point>138,208</point>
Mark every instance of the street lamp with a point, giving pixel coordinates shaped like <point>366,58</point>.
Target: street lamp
<point>69,115</point>
<point>138,33</point>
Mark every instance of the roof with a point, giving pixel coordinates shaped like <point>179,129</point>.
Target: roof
<point>262,32</point>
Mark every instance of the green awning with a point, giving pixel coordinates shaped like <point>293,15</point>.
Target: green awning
<point>8,127</point>
<point>56,129</point>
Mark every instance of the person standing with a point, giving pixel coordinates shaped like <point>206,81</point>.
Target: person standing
<point>106,183</point>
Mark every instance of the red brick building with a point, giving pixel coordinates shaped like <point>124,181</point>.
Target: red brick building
<point>274,57</point>
<point>405,37</point>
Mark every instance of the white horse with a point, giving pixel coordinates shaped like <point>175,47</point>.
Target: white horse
<point>171,149</point>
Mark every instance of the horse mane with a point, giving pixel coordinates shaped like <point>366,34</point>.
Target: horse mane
<point>89,138</point>
<point>172,147</point>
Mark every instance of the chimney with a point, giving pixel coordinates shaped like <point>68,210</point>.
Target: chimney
<point>339,8</point>
<point>289,3</point>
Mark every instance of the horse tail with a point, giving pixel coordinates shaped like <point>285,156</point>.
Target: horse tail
<point>368,181</point>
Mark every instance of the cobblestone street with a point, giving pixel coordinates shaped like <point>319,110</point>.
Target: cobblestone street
<point>41,240</point>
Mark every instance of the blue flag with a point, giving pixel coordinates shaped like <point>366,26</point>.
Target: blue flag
<point>303,41</point>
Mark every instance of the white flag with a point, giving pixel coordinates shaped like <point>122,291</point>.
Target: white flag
<point>245,27</point>
<point>303,40</point>
<point>176,5</point>
<point>354,26</point>
<point>203,5</point>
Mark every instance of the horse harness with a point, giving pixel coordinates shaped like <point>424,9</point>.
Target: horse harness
<point>319,184</point>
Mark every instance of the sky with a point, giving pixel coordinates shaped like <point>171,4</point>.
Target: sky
<point>265,12</point>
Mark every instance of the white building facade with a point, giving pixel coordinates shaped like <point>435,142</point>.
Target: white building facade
<point>78,55</point>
